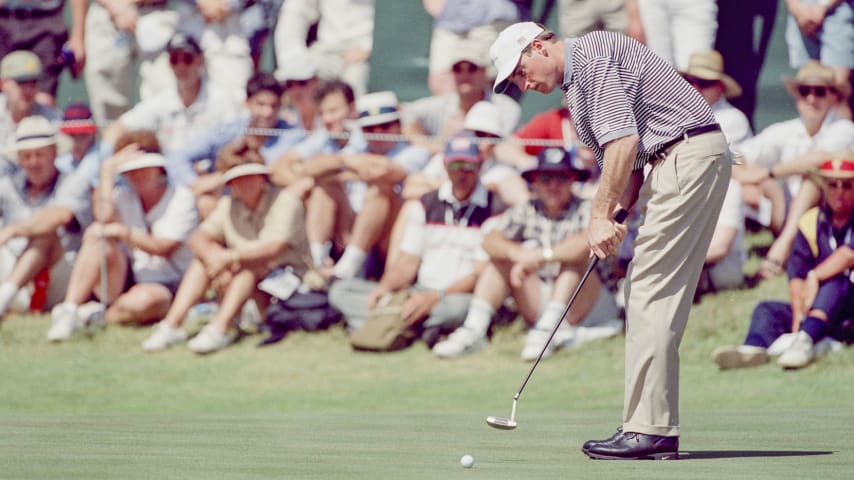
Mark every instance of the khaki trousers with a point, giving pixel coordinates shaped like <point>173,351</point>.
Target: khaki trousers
<point>682,197</point>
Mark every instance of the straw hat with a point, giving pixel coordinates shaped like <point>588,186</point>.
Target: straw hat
<point>814,74</point>
<point>709,65</point>
<point>36,132</point>
<point>377,108</point>
<point>840,165</point>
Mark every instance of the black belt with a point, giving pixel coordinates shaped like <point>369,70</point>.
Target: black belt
<point>25,13</point>
<point>691,132</point>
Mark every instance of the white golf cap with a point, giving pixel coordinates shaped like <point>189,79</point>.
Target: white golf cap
<point>146,160</point>
<point>484,117</point>
<point>507,49</point>
<point>244,170</point>
<point>377,108</point>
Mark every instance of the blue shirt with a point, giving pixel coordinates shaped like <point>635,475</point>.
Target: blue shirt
<point>182,162</point>
<point>88,167</point>
<point>828,240</point>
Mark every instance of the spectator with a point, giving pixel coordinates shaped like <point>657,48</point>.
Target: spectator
<point>192,164</point>
<point>819,283</point>
<point>674,29</point>
<point>299,81</point>
<point>823,30</point>
<point>443,115</point>
<point>176,114</point>
<point>365,195</point>
<point>256,232</point>
<point>257,21</point>
<point>345,36</point>
<point>216,26</point>
<point>139,243</point>
<point>438,263</point>
<point>578,17</point>
<point>484,121</point>
<point>472,25</point>
<point>790,149</point>
<point>83,159</point>
<point>44,213</point>
<point>537,254</point>
<point>118,36</point>
<point>19,75</point>
<point>40,27</point>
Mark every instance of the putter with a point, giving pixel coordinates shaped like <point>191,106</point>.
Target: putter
<point>504,423</point>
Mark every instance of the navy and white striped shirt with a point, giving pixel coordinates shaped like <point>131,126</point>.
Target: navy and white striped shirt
<point>616,87</point>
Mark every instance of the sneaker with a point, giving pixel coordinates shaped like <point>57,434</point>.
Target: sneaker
<point>602,330</point>
<point>249,318</point>
<point>800,354</point>
<point>463,341</point>
<point>742,356</point>
<point>537,337</point>
<point>163,337</point>
<point>208,341</point>
<point>90,316</point>
<point>64,321</point>
<point>781,344</point>
<point>199,315</point>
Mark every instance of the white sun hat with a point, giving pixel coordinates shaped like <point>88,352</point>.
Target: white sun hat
<point>485,117</point>
<point>507,49</point>
<point>245,170</point>
<point>36,132</point>
<point>146,160</point>
<point>377,108</point>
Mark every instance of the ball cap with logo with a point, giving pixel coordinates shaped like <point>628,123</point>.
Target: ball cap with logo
<point>506,50</point>
<point>21,66</point>
<point>462,147</point>
<point>557,160</point>
<point>77,120</point>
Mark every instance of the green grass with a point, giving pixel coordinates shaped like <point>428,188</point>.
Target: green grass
<point>313,408</point>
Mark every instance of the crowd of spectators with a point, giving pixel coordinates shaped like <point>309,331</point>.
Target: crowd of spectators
<point>227,188</point>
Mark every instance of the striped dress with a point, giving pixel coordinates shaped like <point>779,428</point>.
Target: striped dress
<point>616,87</point>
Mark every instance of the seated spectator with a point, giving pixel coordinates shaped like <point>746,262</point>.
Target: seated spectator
<point>83,159</point>
<point>256,232</point>
<point>193,106</point>
<point>444,115</point>
<point>20,72</point>
<point>438,262</point>
<point>821,299</point>
<point>139,243</point>
<point>789,150</point>
<point>345,37</point>
<point>484,121</point>
<point>537,254</point>
<point>724,265</point>
<point>44,214</point>
<point>192,164</point>
<point>357,203</point>
<point>299,80</point>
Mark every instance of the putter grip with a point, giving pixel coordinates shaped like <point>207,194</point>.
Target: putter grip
<point>621,215</point>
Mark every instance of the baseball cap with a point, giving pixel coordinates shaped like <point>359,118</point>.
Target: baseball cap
<point>507,49</point>
<point>183,43</point>
<point>21,66</point>
<point>462,147</point>
<point>377,108</point>
<point>77,120</point>
<point>557,160</point>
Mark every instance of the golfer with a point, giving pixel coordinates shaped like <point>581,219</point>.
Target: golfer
<point>635,112</point>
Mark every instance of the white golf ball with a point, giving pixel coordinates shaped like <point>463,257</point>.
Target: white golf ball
<point>467,461</point>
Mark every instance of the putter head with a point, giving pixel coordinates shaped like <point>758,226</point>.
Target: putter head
<point>501,423</point>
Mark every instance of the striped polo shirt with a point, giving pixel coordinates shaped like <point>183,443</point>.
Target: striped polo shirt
<point>615,87</point>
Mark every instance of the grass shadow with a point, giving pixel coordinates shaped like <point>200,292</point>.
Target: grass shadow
<point>713,454</point>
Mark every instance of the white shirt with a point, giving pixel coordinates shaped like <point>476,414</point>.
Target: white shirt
<point>173,122</point>
<point>431,113</point>
<point>784,141</point>
<point>342,25</point>
<point>733,122</point>
<point>732,216</point>
<point>174,217</point>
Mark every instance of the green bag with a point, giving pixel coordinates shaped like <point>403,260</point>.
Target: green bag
<point>385,330</point>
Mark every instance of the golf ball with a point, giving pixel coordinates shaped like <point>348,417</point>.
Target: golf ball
<point>467,461</point>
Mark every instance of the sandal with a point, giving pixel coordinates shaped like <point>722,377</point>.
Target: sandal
<point>770,268</point>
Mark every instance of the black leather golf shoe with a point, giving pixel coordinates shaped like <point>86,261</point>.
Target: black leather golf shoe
<point>635,446</point>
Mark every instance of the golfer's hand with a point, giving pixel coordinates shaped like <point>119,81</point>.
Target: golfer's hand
<point>604,236</point>
<point>418,306</point>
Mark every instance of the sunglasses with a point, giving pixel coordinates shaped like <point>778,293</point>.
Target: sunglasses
<point>700,83</point>
<point>846,185</point>
<point>465,67</point>
<point>462,167</point>
<point>818,91</point>
<point>296,83</point>
<point>177,58</point>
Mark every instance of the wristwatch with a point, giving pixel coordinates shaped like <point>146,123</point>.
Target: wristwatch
<point>548,254</point>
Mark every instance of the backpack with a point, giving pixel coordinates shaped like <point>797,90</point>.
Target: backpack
<point>309,311</point>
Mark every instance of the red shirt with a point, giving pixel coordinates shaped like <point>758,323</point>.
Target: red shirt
<point>546,125</point>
